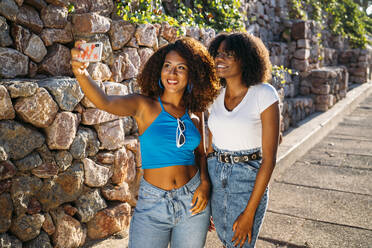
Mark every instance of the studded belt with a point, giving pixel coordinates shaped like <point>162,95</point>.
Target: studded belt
<point>229,158</point>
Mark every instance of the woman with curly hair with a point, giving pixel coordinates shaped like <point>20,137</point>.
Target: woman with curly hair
<point>244,130</point>
<point>177,82</point>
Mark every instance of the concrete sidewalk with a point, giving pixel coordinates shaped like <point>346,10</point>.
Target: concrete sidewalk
<point>324,198</point>
<point>321,190</point>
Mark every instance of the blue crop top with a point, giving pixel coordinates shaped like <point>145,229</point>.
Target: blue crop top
<point>158,142</point>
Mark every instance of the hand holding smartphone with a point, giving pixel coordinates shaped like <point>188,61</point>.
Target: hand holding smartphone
<point>92,52</point>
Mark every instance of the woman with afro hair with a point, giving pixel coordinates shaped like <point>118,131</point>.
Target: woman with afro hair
<point>177,83</point>
<point>244,130</point>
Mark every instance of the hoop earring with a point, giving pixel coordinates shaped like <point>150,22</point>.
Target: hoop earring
<point>189,87</point>
<point>160,84</point>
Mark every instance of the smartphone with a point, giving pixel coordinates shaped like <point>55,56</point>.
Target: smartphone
<point>92,52</point>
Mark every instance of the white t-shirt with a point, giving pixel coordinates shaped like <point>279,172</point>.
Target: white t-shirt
<point>241,128</point>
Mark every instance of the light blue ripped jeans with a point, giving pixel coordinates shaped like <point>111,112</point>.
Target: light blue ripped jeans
<point>232,186</point>
<point>163,217</point>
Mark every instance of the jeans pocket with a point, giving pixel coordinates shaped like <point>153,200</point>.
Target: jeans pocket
<point>146,200</point>
<point>250,167</point>
<point>254,165</point>
<point>242,178</point>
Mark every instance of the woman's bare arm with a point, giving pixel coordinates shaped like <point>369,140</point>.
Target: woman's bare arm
<point>209,142</point>
<point>270,137</point>
<point>129,105</point>
<point>270,119</point>
<point>201,195</point>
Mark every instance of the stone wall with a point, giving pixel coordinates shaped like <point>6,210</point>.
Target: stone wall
<point>305,46</point>
<point>358,63</point>
<point>68,171</point>
<point>325,85</point>
<point>268,19</point>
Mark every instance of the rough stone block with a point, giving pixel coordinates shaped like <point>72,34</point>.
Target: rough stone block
<point>13,63</point>
<point>324,99</point>
<point>54,16</point>
<point>120,33</point>
<point>90,23</point>
<point>61,133</point>
<point>6,107</point>
<point>57,61</point>
<point>303,43</point>
<point>109,221</point>
<point>19,140</point>
<point>321,107</point>
<point>321,90</point>
<point>302,54</point>
<point>69,231</point>
<point>300,65</point>
<point>29,17</point>
<point>300,30</point>
<point>146,35</point>
<point>39,109</point>
<point>53,35</point>
<point>35,49</point>
<point>6,210</point>
<point>5,39</point>
<point>27,227</point>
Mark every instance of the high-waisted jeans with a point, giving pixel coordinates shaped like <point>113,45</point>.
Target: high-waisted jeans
<point>162,217</point>
<point>232,185</point>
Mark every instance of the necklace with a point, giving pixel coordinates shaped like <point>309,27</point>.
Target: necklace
<point>232,101</point>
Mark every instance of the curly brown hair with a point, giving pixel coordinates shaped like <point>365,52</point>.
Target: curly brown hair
<point>250,51</point>
<point>202,73</point>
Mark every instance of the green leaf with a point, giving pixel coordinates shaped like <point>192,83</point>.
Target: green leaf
<point>71,8</point>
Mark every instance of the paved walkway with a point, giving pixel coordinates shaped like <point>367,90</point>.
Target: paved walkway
<point>321,189</point>
<point>325,198</point>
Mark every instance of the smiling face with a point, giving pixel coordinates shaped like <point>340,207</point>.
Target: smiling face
<point>226,63</point>
<point>174,74</point>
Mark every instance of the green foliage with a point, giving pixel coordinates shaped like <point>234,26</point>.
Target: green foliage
<point>368,25</point>
<point>344,17</point>
<point>316,6</point>
<point>347,20</point>
<point>364,4</point>
<point>71,8</point>
<point>297,10</point>
<point>142,11</point>
<point>221,15</point>
<point>279,74</point>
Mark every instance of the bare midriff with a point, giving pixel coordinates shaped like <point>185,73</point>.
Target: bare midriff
<point>171,177</point>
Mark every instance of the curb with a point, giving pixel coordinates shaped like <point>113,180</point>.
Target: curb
<point>299,140</point>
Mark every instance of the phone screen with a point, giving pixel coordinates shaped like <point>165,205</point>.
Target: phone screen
<point>92,52</point>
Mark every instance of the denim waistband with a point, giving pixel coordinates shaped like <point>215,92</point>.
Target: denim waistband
<point>185,189</point>
<point>240,152</point>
